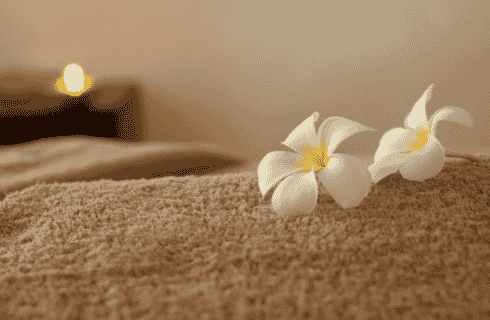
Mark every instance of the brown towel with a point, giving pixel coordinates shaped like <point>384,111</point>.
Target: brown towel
<point>209,247</point>
<point>86,159</point>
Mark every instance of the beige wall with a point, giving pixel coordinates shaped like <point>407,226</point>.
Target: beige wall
<point>246,73</point>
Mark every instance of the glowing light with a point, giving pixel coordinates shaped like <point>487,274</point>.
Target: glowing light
<point>74,81</point>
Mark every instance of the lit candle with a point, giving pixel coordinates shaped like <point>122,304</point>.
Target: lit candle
<point>74,81</point>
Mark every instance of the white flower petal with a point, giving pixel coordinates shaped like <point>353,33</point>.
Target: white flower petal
<point>393,144</point>
<point>298,193</point>
<point>455,114</point>
<point>346,179</point>
<point>303,134</point>
<point>391,153</point>
<point>336,129</point>
<point>417,118</point>
<point>424,163</point>
<point>275,166</point>
<point>378,171</point>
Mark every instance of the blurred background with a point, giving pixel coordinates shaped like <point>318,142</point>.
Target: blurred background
<point>242,75</point>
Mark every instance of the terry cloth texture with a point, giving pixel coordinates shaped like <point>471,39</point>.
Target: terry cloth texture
<point>210,247</point>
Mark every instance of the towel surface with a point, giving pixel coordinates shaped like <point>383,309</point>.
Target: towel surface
<point>210,247</point>
<point>68,159</point>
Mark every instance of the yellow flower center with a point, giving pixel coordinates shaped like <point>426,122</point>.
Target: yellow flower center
<point>315,156</point>
<point>421,140</point>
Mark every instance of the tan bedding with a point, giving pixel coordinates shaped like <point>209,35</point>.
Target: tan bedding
<point>67,159</point>
<point>209,247</point>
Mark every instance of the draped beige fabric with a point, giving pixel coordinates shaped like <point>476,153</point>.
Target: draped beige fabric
<point>66,159</point>
<point>209,247</point>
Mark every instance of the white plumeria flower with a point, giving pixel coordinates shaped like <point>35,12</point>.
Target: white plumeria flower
<point>414,150</point>
<point>344,176</point>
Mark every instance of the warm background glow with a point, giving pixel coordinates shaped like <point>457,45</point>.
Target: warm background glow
<point>249,72</point>
<point>74,81</point>
<point>73,76</point>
